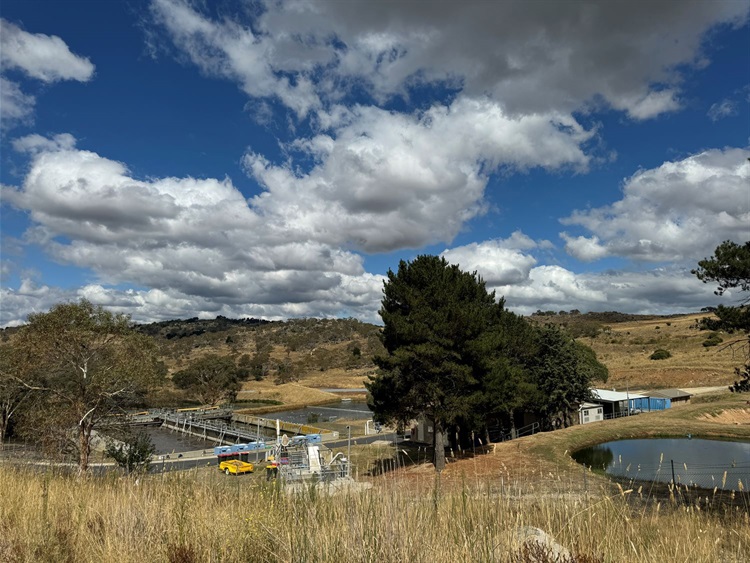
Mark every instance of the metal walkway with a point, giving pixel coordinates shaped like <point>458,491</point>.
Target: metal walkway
<point>219,432</point>
<point>222,426</point>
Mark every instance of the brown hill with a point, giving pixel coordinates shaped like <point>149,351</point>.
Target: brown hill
<point>316,353</point>
<point>337,353</point>
<point>625,343</point>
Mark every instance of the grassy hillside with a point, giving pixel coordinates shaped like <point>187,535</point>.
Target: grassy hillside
<point>625,347</point>
<point>337,353</point>
<point>286,362</point>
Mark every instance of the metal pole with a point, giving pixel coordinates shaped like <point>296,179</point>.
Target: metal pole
<point>349,451</point>
<point>627,394</point>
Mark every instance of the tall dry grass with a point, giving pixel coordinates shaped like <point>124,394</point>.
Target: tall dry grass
<point>199,516</point>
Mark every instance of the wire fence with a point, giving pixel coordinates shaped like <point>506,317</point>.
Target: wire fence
<point>734,476</point>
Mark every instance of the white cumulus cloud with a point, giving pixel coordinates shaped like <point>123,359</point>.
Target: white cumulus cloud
<point>44,57</point>
<point>498,262</point>
<point>35,143</point>
<point>660,291</point>
<point>394,180</point>
<point>231,50</point>
<point>38,56</point>
<point>678,211</point>
<point>15,106</point>
<point>529,57</point>
<point>194,240</point>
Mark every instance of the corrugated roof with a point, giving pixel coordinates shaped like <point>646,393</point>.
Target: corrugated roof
<point>589,406</point>
<point>614,396</point>
<point>671,394</point>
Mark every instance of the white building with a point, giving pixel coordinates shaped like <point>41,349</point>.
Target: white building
<point>590,412</point>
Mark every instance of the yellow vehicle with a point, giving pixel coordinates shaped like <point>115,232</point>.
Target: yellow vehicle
<point>235,467</point>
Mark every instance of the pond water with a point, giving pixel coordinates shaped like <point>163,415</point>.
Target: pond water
<point>705,463</point>
<point>345,410</point>
<point>170,441</point>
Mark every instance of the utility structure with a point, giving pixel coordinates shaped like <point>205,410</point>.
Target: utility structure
<point>300,459</point>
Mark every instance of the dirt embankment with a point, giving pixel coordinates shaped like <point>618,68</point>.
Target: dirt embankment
<point>729,416</point>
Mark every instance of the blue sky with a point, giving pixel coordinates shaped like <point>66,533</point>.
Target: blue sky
<point>170,158</point>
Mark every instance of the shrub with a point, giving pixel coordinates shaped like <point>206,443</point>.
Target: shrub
<point>660,354</point>
<point>713,339</point>
<point>133,454</point>
<point>586,329</point>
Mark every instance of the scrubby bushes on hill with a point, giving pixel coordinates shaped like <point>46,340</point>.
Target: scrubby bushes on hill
<point>713,339</point>
<point>660,354</point>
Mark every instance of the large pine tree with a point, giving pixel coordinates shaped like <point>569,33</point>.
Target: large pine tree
<point>437,335</point>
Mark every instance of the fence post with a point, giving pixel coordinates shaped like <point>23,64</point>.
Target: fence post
<point>674,481</point>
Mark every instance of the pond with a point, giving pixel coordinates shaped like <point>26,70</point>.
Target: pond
<point>169,441</point>
<point>345,410</point>
<point>704,463</point>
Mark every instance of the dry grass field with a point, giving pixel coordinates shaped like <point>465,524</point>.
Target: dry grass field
<point>476,511</point>
<point>625,349</point>
<point>289,394</point>
<point>338,378</point>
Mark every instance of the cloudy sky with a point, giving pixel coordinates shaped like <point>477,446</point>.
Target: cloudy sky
<point>176,158</point>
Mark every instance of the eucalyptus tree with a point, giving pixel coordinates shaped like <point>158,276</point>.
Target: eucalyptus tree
<point>561,371</point>
<point>90,364</point>
<point>16,373</point>
<point>211,379</point>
